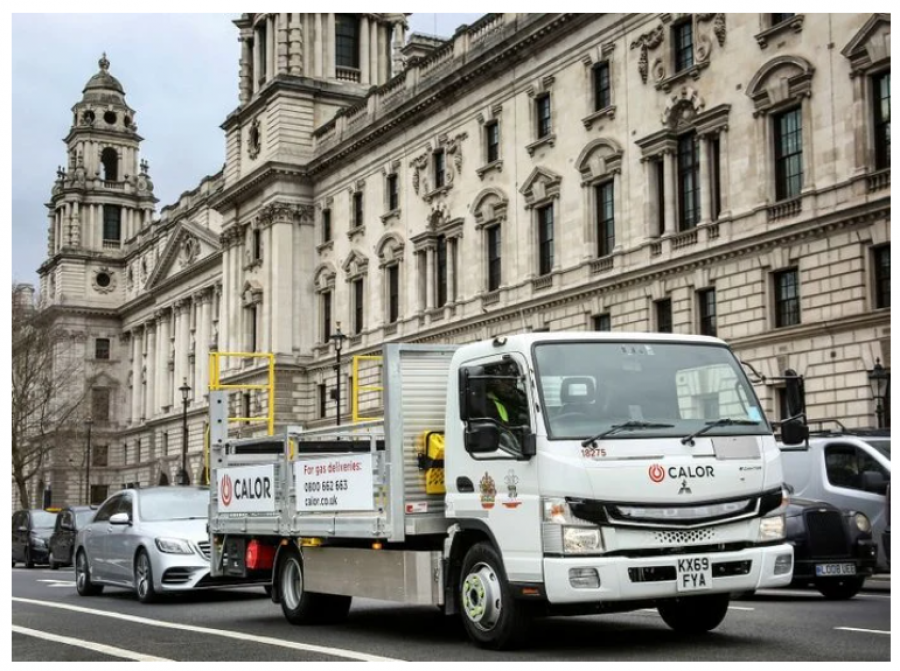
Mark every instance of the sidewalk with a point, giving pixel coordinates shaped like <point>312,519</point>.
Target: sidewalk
<point>880,582</point>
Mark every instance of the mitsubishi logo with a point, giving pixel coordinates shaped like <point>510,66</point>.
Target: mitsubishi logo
<point>684,488</point>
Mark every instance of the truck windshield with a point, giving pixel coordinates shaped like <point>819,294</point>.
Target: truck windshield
<point>587,387</point>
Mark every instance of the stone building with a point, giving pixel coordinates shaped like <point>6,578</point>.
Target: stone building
<point>726,174</point>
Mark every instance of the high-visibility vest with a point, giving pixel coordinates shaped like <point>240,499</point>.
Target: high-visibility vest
<point>501,409</point>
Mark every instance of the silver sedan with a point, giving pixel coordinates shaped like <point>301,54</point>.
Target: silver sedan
<point>149,540</point>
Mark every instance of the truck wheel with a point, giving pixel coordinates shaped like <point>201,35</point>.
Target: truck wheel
<point>302,607</point>
<point>83,577</point>
<point>694,614</point>
<point>490,615</point>
<point>841,588</point>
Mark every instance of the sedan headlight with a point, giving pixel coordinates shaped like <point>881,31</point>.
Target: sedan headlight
<point>176,546</point>
<point>771,528</point>
<point>862,523</point>
<point>39,542</point>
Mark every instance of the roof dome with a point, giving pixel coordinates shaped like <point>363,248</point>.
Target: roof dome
<point>103,87</point>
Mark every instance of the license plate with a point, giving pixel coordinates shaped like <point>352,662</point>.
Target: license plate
<point>694,574</point>
<point>835,569</point>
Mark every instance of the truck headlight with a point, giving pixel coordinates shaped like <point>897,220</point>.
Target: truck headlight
<point>862,523</point>
<point>582,540</point>
<point>174,546</point>
<point>771,528</point>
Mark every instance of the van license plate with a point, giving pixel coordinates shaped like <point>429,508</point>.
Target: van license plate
<point>694,574</point>
<point>835,569</point>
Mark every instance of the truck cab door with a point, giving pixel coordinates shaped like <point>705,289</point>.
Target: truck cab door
<point>492,480</point>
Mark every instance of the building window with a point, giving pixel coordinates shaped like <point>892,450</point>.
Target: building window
<point>112,223</point>
<point>250,313</point>
<point>262,35</point>
<point>109,157</point>
<point>788,154</point>
<point>165,444</point>
<point>715,160</point>
<point>688,181</point>
<point>323,401</point>
<point>393,192</point>
<point>99,494</point>
<point>683,34</point>
<point>245,405</point>
<point>602,322</point>
<point>440,280</point>
<point>358,305</point>
<point>882,276</point>
<point>602,90</point>
<point>492,141</point>
<point>100,456</point>
<point>606,224</point>
<point>545,239</point>
<point>357,209</point>
<point>664,316</point>
<point>780,18</point>
<point>257,244</point>
<point>440,168</point>
<point>101,348</point>
<point>393,293</point>
<point>493,258</point>
<point>326,226</point>
<point>707,305</point>
<point>881,95</point>
<point>543,115</point>
<point>326,316</point>
<point>346,29</point>
<point>100,397</point>
<point>787,298</point>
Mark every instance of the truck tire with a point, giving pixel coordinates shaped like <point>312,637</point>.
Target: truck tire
<point>302,607</point>
<point>694,614</point>
<point>491,616</point>
<point>840,589</point>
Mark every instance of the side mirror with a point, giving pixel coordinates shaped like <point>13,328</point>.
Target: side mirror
<point>873,481</point>
<point>794,433</point>
<point>482,437</point>
<point>120,519</point>
<point>794,393</point>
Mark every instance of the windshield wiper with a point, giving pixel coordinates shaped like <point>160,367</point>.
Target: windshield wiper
<point>725,421</point>
<point>627,426</point>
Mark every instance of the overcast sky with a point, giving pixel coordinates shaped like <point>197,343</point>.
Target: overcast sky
<point>180,75</point>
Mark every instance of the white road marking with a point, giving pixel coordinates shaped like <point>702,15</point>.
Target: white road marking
<point>815,594</point>
<point>225,633</point>
<point>58,583</point>
<point>88,645</point>
<point>865,631</point>
<point>653,610</point>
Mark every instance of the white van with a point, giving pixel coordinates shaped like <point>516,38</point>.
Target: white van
<point>848,469</point>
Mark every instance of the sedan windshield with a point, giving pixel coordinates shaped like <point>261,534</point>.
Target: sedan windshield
<point>587,388</point>
<point>174,503</point>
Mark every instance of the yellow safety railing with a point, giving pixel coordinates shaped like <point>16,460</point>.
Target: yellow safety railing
<point>357,387</point>
<point>215,384</point>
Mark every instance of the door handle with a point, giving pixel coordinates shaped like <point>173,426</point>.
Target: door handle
<point>464,485</point>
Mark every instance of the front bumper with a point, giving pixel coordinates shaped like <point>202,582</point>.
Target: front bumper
<point>618,583</point>
<point>864,557</point>
<point>182,573</point>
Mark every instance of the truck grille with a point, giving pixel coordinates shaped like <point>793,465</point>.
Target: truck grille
<point>203,546</point>
<point>826,536</point>
<point>686,537</point>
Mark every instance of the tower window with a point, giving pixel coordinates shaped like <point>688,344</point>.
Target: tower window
<point>881,85</point>
<point>110,160</point>
<point>346,30</point>
<point>110,118</point>
<point>112,223</point>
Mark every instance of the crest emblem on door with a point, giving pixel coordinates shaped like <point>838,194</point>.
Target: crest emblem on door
<point>488,491</point>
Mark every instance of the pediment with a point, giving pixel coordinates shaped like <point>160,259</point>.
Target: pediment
<point>540,176</point>
<point>871,44</point>
<point>189,244</point>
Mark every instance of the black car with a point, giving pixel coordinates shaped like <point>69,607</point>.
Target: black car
<point>886,535</point>
<point>833,549</point>
<point>31,531</point>
<point>69,522</point>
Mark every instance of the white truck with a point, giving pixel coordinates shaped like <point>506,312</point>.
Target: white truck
<point>528,475</point>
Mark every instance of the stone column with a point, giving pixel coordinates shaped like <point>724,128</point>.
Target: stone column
<point>319,21</point>
<point>373,52</point>
<point>279,294</point>
<point>452,245</point>
<point>809,154</point>
<point>724,174</point>
<point>706,190</point>
<point>162,360</point>
<point>383,54</point>
<point>295,59</point>
<point>202,347</point>
<point>181,350</point>
<point>271,45</point>
<point>281,21</point>
<point>136,358</point>
<point>860,144</point>
<point>670,180</point>
<point>246,85</point>
<point>429,278</point>
<point>329,47</point>
<point>150,361</point>
<point>364,50</point>
<point>257,60</point>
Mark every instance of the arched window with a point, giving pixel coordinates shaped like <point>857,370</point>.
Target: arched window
<point>346,41</point>
<point>110,159</point>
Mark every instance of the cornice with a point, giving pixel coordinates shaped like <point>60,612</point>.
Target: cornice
<point>269,172</point>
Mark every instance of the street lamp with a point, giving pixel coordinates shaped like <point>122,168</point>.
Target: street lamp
<point>879,379</point>
<point>338,339</point>
<point>88,422</point>
<point>185,390</point>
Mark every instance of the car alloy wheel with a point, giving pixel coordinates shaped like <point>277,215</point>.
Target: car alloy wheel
<point>83,582</point>
<point>143,578</point>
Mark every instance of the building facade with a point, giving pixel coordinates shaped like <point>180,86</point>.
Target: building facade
<point>724,174</point>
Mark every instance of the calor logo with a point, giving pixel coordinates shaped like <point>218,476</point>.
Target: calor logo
<point>227,490</point>
<point>657,473</point>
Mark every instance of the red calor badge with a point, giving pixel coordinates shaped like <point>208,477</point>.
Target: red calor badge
<point>226,490</point>
<point>657,473</point>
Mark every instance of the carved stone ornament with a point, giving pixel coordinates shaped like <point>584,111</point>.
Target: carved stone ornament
<point>190,250</point>
<point>254,139</point>
<point>103,280</point>
<point>681,108</point>
<point>647,42</point>
<point>420,164</point>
